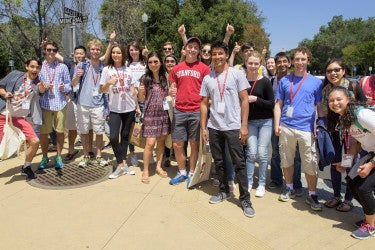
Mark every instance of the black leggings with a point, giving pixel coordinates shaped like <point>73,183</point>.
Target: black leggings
<point>363,191</point>
<point>117,121</point>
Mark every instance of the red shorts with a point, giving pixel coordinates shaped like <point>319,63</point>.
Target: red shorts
<point>20,123</point>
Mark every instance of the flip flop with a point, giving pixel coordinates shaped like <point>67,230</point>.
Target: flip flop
<point>345,206</point>
<point>145,179</point>
<point>161,173</point>
<point>70,157</point>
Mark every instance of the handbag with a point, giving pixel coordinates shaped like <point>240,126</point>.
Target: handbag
<point>13,138</point>
<point>203,168</point>
<point>168,140</point>
<point>136,138</point>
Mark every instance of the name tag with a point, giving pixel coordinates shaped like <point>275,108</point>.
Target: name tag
<point>95,92</point>
<point>220,107</point>
<point>26,104</point>
<point>346,161</point>
<point>289,111</point>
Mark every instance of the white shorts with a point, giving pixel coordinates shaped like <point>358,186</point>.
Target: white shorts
<point>88,117</point>
<point>71,114</point>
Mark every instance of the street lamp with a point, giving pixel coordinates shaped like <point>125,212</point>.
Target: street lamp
<point>145,19</point>
<point>11,64</point>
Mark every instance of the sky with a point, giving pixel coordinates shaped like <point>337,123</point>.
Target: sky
<point>290,21</point>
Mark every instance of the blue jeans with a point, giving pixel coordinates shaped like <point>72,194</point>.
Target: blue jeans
<point>276,172</point>
<point>260,132</point>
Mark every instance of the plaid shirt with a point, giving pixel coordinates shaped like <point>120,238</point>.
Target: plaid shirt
<point>56,73</point>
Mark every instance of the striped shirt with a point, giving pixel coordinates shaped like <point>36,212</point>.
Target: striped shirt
<point>55,73</point>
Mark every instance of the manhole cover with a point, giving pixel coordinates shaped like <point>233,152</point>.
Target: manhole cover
<point>71,176</point>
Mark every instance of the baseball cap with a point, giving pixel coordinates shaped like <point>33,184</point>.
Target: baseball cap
<point>194,39</point>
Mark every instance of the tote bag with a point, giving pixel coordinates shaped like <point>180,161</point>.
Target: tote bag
<point>13,138</point>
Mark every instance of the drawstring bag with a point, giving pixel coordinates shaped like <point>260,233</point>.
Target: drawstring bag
<point>13,137</point>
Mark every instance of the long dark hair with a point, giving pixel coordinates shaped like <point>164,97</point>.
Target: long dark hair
<point>148,77</point>
<point>138,47</point>
<point>110,62</point>
<point>334,60</point>
<point>347,119</point>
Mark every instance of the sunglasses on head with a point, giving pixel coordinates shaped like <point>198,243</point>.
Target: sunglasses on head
<point>337,70</point>
<point>50,50</point>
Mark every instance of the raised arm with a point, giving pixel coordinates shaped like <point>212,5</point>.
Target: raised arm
<point>235,50</point>
<point>107,54</point>
<point>228,33</point>
<point>182,31</point>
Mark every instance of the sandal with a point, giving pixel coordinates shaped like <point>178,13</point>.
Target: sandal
<point>333,202</point>
<point>161,173</point>
<point>345,206</point>
<point>145,178</point>
<point>70,157</point>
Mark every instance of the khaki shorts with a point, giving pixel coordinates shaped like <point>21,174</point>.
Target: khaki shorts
<point>58,119</point>
<point>307,147</point>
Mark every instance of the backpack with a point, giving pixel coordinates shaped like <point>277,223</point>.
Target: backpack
<point>356,122</point>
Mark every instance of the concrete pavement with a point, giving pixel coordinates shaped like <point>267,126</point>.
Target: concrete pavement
<point>127,214</point>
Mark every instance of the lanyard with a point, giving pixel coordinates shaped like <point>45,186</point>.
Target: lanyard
<point>252,88</point>
<point>221,90</point>
<point>51,78</point>
<point>121,80</point>
<point>299,86</point>
<point>93,72</point>
<point>347,139</point>
<point>24,82</point>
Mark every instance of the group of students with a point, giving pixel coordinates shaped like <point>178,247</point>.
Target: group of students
<point>225,105</point>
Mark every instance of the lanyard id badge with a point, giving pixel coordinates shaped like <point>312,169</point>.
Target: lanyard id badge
<point>26,104</point>
<point>220,107</point>
<point>346,159</point>
<point>289,111</point>
<point>95,92</point>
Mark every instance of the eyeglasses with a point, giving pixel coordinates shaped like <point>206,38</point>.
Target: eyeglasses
<point>50,50</point>
<point>167,48</point>
<point>337,70</point>
<point>206,51</point>
<point>170,61</point>
<point>153,62</point>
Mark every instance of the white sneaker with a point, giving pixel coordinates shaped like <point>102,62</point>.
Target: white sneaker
<point>128,171</point>
<point>133,160</point>
<point>250,187</point>
<point>261,190</point>
<point>117,173</point>
<point>84,162</point>
<point>101,161</point>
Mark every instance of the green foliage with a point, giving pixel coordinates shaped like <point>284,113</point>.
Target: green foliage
<point>337,35</point>
<point>206,19</point>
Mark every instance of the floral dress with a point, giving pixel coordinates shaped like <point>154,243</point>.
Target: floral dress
<point>156,121</point>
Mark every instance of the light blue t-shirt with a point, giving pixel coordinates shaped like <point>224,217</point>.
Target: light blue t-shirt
<point>236,82</point>
<point>303,103</point>
<point>87,95</point>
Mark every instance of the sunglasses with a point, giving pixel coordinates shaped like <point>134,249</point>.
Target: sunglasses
<point>337,70</point>
<point>206,51</point>
<point>170,61</point>
<point>153,62</point>
<point>50,50</point>
<point>167,48</point>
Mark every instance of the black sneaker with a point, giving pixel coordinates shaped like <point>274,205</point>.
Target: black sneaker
<point>108,146</point>
<point>248,209</point>
<point>219,197</point>
<point>29,173</point>
<point>91,155</point>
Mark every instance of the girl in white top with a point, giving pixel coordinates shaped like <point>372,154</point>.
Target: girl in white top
<point>118,81</point>
<point>359,121</point>
<point>136,64</point>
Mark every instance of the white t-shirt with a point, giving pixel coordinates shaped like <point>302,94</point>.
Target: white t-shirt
<point>138,70</point>
<point>120,95</point>
<point>366,118</point>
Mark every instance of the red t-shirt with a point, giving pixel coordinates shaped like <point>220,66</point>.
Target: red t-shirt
<point>188,78</point>
<point>368,86</point>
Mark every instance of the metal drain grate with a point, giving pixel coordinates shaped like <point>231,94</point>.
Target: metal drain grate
<point>71,176</point>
